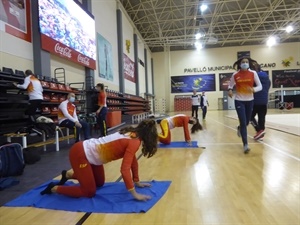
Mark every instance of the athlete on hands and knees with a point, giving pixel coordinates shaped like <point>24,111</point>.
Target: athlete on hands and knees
<point>88,157</point>
<point>179,120</point>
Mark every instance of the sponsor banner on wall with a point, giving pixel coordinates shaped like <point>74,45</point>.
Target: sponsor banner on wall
<point>224,80</point>
<point>129,72</point>
<point>15,18</point>
<point>185,84</point>
<point>286,78</point>
<point>64,51</point>
<point>105,62</point>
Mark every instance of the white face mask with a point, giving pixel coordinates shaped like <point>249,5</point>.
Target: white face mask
<point>244,65</point>
<point>72,99</point>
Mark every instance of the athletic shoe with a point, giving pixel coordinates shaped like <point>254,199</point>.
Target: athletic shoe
<point>238,131</point>
<point>261,138</point>
<point>259,134</point>
<point>246,149</point>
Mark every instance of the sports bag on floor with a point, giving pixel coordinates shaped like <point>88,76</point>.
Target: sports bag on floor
<point>31,155</point>
<point>11,160</point>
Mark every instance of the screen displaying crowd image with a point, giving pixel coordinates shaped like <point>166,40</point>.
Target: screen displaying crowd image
<point>66,22</point>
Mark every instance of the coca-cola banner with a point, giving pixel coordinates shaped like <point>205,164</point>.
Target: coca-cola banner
<point>64,51</point>
<point>129,72</point>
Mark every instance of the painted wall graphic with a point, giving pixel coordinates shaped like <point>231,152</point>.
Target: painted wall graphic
<point>287,62</point>
<point>105,65</point>
<point>15,18</point>
<point>185,84</point>
<point>224,79</point>
<point>129,72</point>
<point>286,78</point>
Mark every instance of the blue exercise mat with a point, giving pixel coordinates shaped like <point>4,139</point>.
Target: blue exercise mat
<point>179,144</point>
<point>111,198</point>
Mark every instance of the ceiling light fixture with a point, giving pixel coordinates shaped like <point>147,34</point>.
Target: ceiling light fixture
<point>198,45</point>
<point>198,36</point>
<point>289,29</point>
<point>203,7</point>
<point>271,41</point>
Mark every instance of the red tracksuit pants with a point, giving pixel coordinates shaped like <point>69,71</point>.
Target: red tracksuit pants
<point>89,176</point>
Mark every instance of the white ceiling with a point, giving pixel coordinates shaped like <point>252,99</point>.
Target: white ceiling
<point>174,23</point>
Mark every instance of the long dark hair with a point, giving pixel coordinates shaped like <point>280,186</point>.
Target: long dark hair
<point>147,132</point>
<point>196,126</point>
<point>237,64</point>
<point>101,86</point>
<point>257,67</point>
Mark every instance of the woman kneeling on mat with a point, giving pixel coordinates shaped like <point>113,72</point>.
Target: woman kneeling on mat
<point>87,159</point>
<point>179,120</point>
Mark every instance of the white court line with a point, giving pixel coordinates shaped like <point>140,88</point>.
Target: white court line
<point>232,143</point>
<point>272,147</point>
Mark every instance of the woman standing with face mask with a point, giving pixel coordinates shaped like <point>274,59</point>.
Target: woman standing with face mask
<point>244,80</point>
<point>67,117</point>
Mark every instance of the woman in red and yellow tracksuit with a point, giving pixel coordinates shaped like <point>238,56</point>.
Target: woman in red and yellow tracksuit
<point>102,110</point>
<point>87,159</point>
<point>247,83</point>
<point>179,120</point>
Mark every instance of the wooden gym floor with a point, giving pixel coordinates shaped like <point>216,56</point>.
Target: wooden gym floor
<point>215,185</point>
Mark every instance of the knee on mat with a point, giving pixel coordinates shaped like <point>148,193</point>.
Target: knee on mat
<point>100,184</point>
<point>91,192</point>
<point>165,142</point>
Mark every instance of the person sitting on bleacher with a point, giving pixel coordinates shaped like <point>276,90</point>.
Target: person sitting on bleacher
<point>67,117</point>
<point>35,93</point>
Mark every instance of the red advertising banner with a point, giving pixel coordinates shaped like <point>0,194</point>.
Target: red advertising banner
<point>64,51</point>
<point>129,72</point>
<point>224,80</point>
<point>16,18</point>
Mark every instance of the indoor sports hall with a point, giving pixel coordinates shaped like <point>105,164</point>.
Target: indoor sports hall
<point>214,183</point>
<point>170,112</point>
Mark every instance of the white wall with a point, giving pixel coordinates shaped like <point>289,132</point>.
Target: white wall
<point>167,64</point>
<point>162,74</point>
<point>104,12</point>
<point>15,53</point>
<point>149,71</point>
<point>141,56</point>
<point>73,71</point>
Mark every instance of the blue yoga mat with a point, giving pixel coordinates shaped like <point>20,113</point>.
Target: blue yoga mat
<point>179,144</point>
<point>111,198</point>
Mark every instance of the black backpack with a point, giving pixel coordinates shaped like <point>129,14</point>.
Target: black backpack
<point>31,155</point>
<point>48,128</point>
<point>11,160</point>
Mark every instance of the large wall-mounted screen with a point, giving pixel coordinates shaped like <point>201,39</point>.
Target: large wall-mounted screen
<point>68,31</point>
